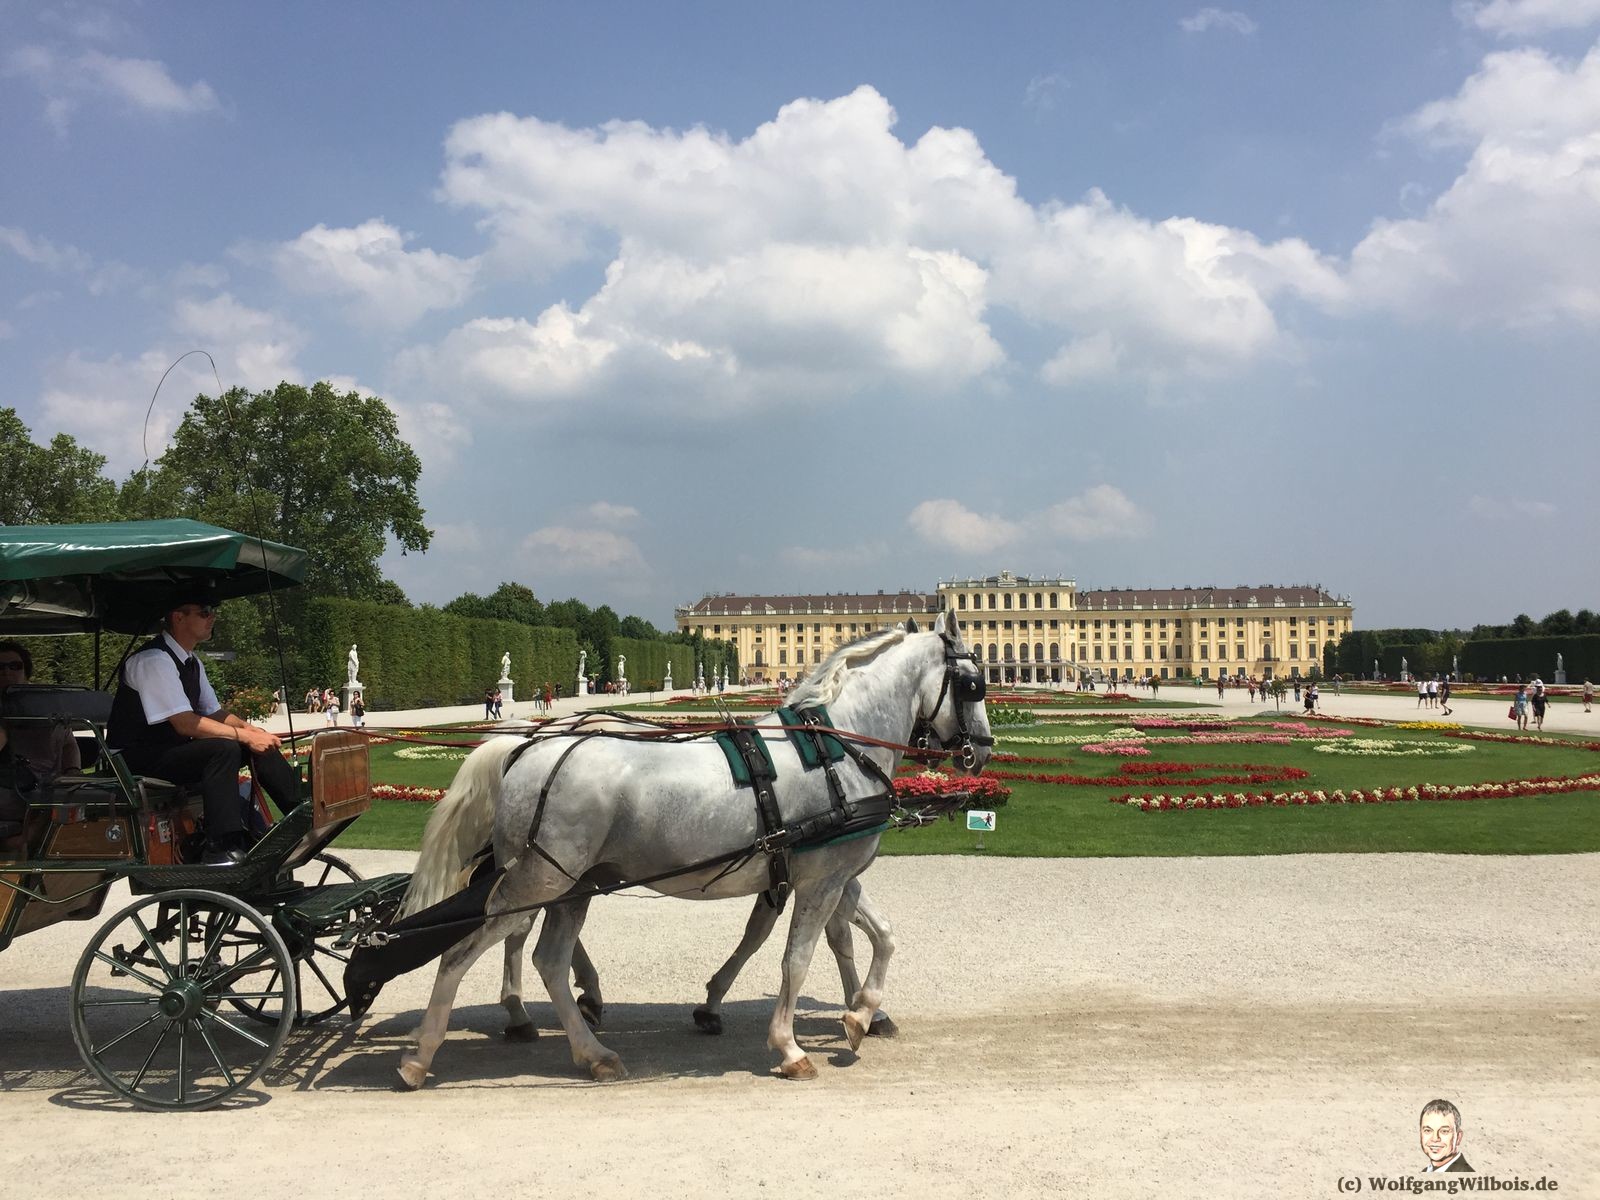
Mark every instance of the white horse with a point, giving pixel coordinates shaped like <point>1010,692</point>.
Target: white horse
<point>620,809</point>
<point>854,909</point>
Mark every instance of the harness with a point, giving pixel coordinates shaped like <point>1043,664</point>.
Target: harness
<point>962,689</point>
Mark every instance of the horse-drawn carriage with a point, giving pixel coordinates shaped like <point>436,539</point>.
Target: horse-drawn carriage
<point>185,996</point>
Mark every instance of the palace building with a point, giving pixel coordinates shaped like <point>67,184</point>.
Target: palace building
<point>1045,631</point>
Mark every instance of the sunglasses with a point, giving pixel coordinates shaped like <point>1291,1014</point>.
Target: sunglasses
<point>13,665</point>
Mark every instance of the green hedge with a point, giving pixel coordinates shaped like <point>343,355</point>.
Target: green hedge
<point>1491,658</point>
<point>425,657</point>
<point>647,662</point>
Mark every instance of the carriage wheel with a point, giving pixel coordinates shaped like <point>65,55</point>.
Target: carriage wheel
<point>318,963</point>
<point>148,1011</point>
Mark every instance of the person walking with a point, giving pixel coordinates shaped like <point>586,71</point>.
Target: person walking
<point>332,708</point>
<point>1519,708</point>
<point>1588,695</point>
<point>358,711</point>
<point>1444,695</point>
<point>1538,700</point>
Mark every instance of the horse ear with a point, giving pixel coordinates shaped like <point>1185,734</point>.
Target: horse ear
<point>942,624</point>
<point>911,625</point>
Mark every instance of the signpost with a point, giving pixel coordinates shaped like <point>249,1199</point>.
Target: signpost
<point>980,821</point>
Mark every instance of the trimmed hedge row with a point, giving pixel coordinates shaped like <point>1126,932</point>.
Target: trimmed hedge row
<point>647,662</point>
<point>425,657</point>
<point>1494,657</point>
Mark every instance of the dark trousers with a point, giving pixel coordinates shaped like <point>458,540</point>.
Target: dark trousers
<point>212,765</point>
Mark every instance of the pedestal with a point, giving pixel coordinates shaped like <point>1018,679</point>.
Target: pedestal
<point>505,686</point>
<point>1561,677</point>
<point>349,690</point>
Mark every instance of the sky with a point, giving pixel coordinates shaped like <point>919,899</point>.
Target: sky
<point>678,299</point>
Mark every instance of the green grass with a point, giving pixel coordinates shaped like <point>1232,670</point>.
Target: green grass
<point>1078,820</point>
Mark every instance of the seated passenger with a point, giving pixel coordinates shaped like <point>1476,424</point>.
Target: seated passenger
<point>167,722</point>
<point>49,749</point>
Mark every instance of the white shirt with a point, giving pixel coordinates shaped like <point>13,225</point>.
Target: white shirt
<point>1430,1169</point>
<point>154,675</point>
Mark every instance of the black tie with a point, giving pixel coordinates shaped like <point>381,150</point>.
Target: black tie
<point>189,676</point>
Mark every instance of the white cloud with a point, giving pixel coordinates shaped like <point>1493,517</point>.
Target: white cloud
<point>369,264</point>
<point>137,84</point>
<point>1520,18</point>
<point>42,252</point>
<point>253,348</point>
<point>950,523</point>
<point>1044,91</point>
<point>1515,240</point>
<point>1507,508</point>
<point>1217,18</point>
<point>103,403</point>
<point>566,550</point>
<point>1097,514</point>
<point>435,431</point>
<point>822,256</point>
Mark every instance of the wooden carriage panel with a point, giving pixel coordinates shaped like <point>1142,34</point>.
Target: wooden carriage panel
<point>105,837</point>
<point>54,884</point>
<point>9,897</point>
<point>341,777</point>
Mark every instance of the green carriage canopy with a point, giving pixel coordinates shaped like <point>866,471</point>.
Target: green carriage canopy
<point>115,575</point>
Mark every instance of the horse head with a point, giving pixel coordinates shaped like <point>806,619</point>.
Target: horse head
<point>955,718</point>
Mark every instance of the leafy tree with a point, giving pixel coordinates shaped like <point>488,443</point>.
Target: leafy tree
<point>1522,625</point>
<point>508,602</point>
<point>1557,623</point>
<point>638,627</point>
<point>43,485</point>
<point>319,469</point>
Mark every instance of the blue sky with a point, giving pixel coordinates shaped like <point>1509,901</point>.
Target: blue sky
<point>687,298</point>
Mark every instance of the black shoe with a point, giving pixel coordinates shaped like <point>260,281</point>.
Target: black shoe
<point>222,856</point>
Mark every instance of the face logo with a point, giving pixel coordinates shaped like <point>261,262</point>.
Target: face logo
<point>114,832</point>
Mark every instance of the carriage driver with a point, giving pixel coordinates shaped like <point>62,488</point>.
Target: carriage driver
<point>168,723</point>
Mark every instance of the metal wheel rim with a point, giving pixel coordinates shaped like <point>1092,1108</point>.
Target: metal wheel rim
<point>324,991</point>
<point>149,1014</point>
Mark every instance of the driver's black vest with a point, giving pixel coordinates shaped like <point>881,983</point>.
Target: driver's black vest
<point>127,729</point>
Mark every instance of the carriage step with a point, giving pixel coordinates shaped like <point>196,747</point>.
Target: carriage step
<point>335,899</point>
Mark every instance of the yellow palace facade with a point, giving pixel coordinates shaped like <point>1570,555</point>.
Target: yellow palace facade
<point>1044,631</point>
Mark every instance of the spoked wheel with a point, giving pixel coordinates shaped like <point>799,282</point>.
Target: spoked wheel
<point>319,961</point>
<point>147,999</point>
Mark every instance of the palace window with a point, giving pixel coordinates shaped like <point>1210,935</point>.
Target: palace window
<point>961,600</point>
<point>1022,599</point>
<point>816,656</point>
<point>717,629</point>
<point>1147,654</point>
<point>1311,649</point>
<point>1294,650</point>
<point>1005,624</point>
<point>1113,654</point>
<point>994,652</point>
<point>784,628</point>
<point>783,657</point>
<point>1055,651</point>
<point>1163,651</point>
<point>1022,651</point>
<point>1097,650</point>
<point>1038,600</point>
<point>1054,625</point>
<point>1240,655</point>
<point>1038,651</point>
<point>992,604</point>
<point>1147,622</point>
<point>1177,650</point>
<point>1205,651</point>
<point>1006,600</point>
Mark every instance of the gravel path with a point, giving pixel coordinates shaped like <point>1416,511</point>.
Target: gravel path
<point>1117,1027</point>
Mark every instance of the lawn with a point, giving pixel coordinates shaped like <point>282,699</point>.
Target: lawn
<point>1078,819</point>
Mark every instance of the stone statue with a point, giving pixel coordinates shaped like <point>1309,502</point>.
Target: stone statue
<point>583,660</point>
<point>666,684</point>
<point>505,665</point>
<point>622,667</point>
<point>352,667</point>
<point>1559,665</point>
<point>583,678</point>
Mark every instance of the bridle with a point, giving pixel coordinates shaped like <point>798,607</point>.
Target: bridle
<point>963,689</point>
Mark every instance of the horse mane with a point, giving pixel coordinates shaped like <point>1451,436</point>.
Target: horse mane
<point>824,684</point>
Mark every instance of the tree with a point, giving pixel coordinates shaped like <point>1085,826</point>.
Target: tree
<point>316,468</point>
<point>639,629</point>
<point>508,602</point>
<point>1558,624</point>
<point>58,483</point>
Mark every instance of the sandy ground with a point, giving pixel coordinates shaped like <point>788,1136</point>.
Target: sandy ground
<point>1142,1027</point>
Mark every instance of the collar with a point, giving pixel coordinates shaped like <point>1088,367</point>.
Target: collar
<point>178,651</point>
<point>1430,1169</point>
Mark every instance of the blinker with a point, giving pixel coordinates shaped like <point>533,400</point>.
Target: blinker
<point>969,689</point>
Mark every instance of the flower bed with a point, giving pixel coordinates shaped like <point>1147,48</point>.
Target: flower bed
<point>931,785</point>
<point>1523,739</point>
<point>1130,774</point>
<point>1390,748</point>
<point>1544,786</point>
<point>431,754</point>
<point>414,795</point>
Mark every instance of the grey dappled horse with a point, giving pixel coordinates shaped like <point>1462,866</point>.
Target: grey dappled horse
<point>624,809</point>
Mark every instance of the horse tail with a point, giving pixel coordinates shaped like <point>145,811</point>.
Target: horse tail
<point>461,825</point>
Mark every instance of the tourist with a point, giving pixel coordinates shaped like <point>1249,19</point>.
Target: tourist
<point>1588,695</point>
<point>499,700</point>
<point>1311,698</point>
<point>1537,697</point>
<point>1297,689</point>
<point>1444,695</point>
<point>1422,693</point>
<point>332,708</point>
<point>358,711</point>
<point>1519,708</point>
<point>488,704</point>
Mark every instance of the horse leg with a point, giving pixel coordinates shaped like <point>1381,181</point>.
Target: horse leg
<point>812,908</point>
<point>552,956</point>
<point>590,1002</point>
<point>757,929</point>
<point>519,1025</point>
<point>436,1020</point>
<point>865,1016</point>
<point>843,944</point>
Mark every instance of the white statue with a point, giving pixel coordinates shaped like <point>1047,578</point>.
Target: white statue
<point>583,658</point>
<point>352,667</point>
<point>505,665</point>
<point>666,683</point>
<point>622,667</point>
<point>1559,665</point>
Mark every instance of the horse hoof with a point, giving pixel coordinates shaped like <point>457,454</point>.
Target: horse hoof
<point>412,1074</point>
<point>707,1021</point>
<point>591,1010</point>
<point>883,1027</point>
<point>854,1031</point>
<point>522,1033</point>
<point>607,1070</point>
<point>800,1068</point>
